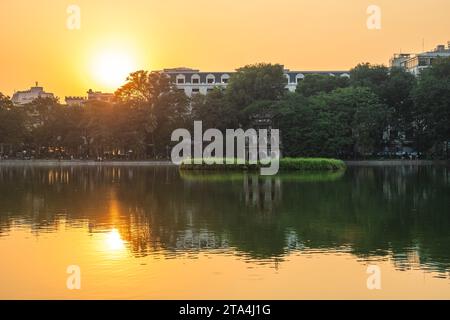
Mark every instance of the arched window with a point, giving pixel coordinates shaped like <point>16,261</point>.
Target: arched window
<point>225,78</point>
<point>210,79</point>
<point>181,79</point>
<point>195,79</point>
<point>299,77</point>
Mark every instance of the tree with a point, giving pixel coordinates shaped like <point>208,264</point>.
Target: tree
<point>171,112</point>
<point>256,82</point>
<point>343,123</point>
<point>314,84</point>
<point>73,137</point>
<point>214,110</point>
<point>39,110</point>
<point>12,129</point>
<point>97,128</point>
<point>432,107</point>
<point>396,93</point>
<point>394,87</point>
<point>357,119</point>
<point>370,76</point>
<point>5,102</point>
<point>157,107</point>
<point>298,119</point>
<point>144,87</point>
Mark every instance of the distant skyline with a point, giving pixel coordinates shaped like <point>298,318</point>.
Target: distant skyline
<point>208,35</point>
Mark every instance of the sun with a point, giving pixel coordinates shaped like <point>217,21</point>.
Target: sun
<point>111,68</point>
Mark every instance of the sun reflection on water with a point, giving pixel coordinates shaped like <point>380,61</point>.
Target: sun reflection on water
<point>114,242</point>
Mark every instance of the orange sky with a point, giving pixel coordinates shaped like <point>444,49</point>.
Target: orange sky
<point>206,34</point>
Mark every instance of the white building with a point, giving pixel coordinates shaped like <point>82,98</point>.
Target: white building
<point>21,98</point>
<point>91,96</point>
<point>415,63</point>
<point>193,81</point>
<point>75,101</point>
<point>100,96</point>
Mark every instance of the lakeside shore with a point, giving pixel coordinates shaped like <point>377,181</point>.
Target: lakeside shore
<point>143,163</point>
<point>90,163</point>
<point>385,163</point>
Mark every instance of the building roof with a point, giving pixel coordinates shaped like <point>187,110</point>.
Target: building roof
<point>189,73</point>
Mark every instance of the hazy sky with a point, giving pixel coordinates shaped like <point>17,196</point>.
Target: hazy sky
<point>117,35</point>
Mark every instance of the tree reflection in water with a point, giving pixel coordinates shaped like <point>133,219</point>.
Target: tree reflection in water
<point>399,213</point>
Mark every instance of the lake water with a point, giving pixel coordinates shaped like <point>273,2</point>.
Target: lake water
<point>153,233</point>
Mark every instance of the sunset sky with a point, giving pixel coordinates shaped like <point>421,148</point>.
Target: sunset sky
<point>36,44</point>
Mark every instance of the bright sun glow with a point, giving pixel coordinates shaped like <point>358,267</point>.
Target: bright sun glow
<point>111,68</point>
<point>114,241</point>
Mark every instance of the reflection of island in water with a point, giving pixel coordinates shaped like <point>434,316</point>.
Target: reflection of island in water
<point>399,213</point>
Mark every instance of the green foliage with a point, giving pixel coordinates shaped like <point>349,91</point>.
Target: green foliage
<point>12,128</point>
<point>312,164</point>
<point>371,76</point>
<point>256,82</point>
<point>394,87</point>
<point>297,164</point>
<point>158,108</point>
<point>298,120</point>
<point>432,106</point>
<point>344,122</point>
<point>216,164</point>
<point>326,117</point>
<point>137,125</point>
<point>214,110</point>
<point>357,119</point>
<point>314,84</point>
<point>5,102</point>
<point>396,93</point>
<point>144,87</point>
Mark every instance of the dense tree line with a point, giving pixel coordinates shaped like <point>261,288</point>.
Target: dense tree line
<point>375,112</point>
<point>137,126</point>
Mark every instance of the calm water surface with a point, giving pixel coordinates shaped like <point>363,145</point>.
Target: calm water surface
<point>151,232</point>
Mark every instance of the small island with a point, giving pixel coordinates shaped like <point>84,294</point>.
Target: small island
<point>286,164</point>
